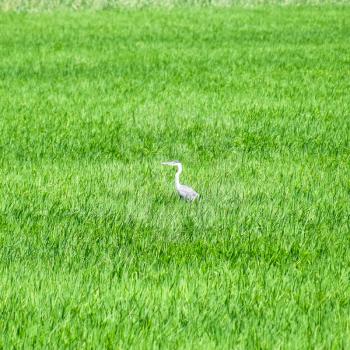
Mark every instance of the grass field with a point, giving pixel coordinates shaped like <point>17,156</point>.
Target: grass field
<point>97,251</point>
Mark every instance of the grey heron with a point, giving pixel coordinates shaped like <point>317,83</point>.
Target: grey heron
<point>184,191</point>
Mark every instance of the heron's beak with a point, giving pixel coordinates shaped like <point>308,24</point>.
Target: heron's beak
<point>166,163</point>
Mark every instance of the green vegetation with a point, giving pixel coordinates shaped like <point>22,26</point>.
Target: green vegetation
<point>97,251</point>
<point>50,5</point>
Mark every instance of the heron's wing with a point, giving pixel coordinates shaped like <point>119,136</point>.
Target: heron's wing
<point>187,192</point>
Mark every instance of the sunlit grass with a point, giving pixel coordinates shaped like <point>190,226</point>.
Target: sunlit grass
<point>96,250</point>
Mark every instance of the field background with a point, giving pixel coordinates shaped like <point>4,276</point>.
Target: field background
<point>49,5</point>
<point>97,251</point>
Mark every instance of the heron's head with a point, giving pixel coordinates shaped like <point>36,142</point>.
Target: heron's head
<point>172,163</point>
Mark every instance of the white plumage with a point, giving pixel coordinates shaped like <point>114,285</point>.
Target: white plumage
<point>184,191</point>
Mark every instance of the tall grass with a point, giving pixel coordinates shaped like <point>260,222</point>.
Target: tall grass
<point>97,251</point>
<point>50,5</point>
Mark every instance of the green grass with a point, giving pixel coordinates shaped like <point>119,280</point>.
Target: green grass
<point>77,5</point>
<point>97,251</point>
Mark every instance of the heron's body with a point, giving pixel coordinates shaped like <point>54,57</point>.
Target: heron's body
<point>185,192</point>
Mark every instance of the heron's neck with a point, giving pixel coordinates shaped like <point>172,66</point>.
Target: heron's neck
<point>177,175</point>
